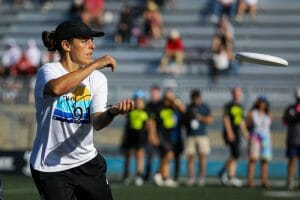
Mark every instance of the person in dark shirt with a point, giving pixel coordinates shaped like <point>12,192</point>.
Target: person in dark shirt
<point>135,138</point>
<point>165,121</point>
<point>291,118</point>
<point>152,108</point>
<point>234,125</point>
<point>198,116</point>
<point>177,142</point>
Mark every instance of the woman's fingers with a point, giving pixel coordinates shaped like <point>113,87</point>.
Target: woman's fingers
<point>125,106</point>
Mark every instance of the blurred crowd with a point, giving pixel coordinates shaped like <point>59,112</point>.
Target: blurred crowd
<point>166,127</point>
<point>141,24</point>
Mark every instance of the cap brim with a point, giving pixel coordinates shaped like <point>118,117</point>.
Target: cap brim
<point>97,33</point>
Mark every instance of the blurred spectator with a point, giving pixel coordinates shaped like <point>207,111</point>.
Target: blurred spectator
<point>165,122</point>
<point>219,61</point>
<point>222,57</point>
<point>177,142</point>
<point>135,138</point>
<point>93,12</point>
<point>260,145</point>
<point>233,124</point>
<point>33,53</point>
<point>245,5</point>
<point>76,9</point>
<point>220,7</point>
<point>153,21</point>
<point>23,67</point>
<point>152,107</point>
<point>173,50</point>
<point>198,116</point>
<point>291,118</point>
<point>10,56</point>
<point>123,34</point>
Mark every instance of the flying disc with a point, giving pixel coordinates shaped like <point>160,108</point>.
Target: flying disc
<point>261,59</point>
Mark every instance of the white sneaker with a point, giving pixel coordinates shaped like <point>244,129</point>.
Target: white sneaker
<point>201,182</point>
<point>236,182</point>
<point>190,182</point>
<point>225,180</point>
<point>138,181</point>
<point>158,180</point>
<point>170,183</point>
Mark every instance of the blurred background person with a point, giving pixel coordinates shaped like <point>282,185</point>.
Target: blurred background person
<point>198,116</point>
<point>152,108</point>
<point>291,119</point>
<point>33,53</point>
<point>234,125</point>
<point>174,49</point>
<point>10,56</point>
<point>134,138</point>
<point>259,121</point>
<point>153,26</point>
<point>220,7</point>
<point>23,67</point>
<point>123,34</point>
<point>222,59</point>
<point>245,5</point>
<point>178,142</point>
<point>166,122</point>
<point>93,12</point>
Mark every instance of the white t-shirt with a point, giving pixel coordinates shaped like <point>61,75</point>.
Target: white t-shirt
<point>64,137</point>
<point>262,123</point>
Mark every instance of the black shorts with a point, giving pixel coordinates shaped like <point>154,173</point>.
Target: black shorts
<point>165,145</point>
<point>234,148</point>
<point>134,141</point>
<point>87,181</point>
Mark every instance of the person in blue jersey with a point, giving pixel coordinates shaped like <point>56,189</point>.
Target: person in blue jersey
<point>198,117</point>
<point>135,137</point>
<point>70,102</point>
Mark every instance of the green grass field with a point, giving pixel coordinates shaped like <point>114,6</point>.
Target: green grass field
<point>22,188</point>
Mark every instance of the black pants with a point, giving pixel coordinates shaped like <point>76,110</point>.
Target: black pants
<point>87,181</point>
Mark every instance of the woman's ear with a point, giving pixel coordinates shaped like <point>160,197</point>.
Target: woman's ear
<point>65,45</point>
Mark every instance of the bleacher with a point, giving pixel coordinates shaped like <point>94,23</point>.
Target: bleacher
<point>275,31</point>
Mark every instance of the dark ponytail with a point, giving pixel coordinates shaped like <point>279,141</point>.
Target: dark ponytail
<point>49,40</point>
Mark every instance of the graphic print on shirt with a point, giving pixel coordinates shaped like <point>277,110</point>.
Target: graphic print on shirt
<point>74,107</point>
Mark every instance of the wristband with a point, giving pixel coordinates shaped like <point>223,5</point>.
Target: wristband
<point>111,113</point>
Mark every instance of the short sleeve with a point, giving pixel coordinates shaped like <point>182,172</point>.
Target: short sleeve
<point>44,75</point>
<point>99,98</point>
<point>226,109</point>
<point>207,110</point>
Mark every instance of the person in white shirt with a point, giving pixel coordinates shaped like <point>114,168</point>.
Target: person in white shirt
<point>71,101</point>
<point>11,55</point>
<point>33,53</point>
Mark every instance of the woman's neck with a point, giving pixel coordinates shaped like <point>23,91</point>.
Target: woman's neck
<point>68,64</point>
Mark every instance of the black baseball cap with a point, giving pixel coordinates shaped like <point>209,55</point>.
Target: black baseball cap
<point>74,28</point>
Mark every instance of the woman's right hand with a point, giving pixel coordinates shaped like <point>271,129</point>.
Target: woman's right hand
<point>106,61</point>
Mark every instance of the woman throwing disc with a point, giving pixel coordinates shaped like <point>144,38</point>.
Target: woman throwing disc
<point>71,101</point>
